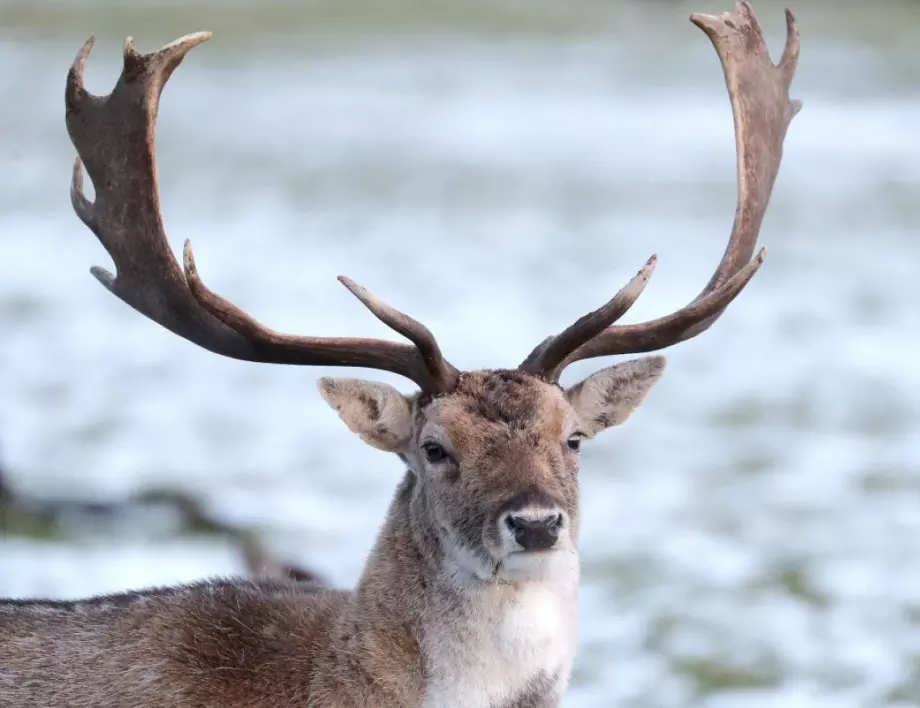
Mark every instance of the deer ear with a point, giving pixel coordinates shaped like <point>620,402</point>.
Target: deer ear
<point>377,412</point>
<point>610,396</point>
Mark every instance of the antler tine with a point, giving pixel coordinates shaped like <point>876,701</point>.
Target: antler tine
<point>759,95</point>
<point>114,138</point>
<point>444,376</point>
<point>690,321</point>
<point>553,351</point>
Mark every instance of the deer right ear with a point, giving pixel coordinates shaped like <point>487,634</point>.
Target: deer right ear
<point>377,412</point>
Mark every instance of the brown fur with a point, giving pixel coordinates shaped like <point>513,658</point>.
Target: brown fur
<point>435,588</point>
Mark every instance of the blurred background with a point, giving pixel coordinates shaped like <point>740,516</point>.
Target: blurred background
<point>496,168</point>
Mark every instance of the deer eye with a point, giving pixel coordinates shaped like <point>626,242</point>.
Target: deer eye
<point>434,453</point>
<point>574,442</point>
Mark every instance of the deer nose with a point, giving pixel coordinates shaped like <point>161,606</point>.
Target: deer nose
<point>535,532</point>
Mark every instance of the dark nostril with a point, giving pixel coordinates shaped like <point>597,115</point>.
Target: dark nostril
<point>535,534</point>
<point>517,523</point>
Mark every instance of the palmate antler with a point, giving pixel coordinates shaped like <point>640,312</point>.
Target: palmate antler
<point>759,94</point>
<point>114,138</point>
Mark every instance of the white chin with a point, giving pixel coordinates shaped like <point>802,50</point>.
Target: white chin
<point>538,565</point>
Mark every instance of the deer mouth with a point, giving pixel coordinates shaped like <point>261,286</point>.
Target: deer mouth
<point>559,563</point>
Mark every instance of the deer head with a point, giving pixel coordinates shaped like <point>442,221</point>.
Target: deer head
<point>495,453</point>
<point>496,457</point>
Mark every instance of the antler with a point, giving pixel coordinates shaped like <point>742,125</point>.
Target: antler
<point>114,138</point>
<point>759,94</point>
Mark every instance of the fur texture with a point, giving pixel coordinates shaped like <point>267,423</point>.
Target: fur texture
<point>450,611</point>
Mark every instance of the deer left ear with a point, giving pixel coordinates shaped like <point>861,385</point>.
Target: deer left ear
<point>610,396</point>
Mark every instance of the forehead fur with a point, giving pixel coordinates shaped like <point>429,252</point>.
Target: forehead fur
<point>511,400</point>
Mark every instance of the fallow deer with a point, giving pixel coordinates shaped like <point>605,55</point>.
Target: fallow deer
<point>469,597</point>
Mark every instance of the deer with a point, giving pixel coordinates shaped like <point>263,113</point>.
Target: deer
<point>469,596</point>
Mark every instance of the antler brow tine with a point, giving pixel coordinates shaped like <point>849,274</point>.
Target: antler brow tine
<point>553,351</point>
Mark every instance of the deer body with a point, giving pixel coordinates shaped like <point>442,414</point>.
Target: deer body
<point>249,645</point>
<point>470,595</point>
<point>432,622</point>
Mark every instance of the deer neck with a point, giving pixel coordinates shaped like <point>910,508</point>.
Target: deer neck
<point>404,573</point>
<point>481,642</point>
